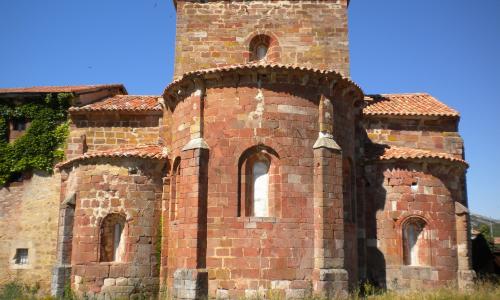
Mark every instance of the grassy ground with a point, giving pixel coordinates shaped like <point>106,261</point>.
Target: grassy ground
<point>486,290</point>
<point>483,290</point>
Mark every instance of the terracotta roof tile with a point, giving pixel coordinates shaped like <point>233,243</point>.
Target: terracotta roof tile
<point>122,103</point>
<point>60,89</point>
<point>257,66</point>
<point>418,104</point>
<point>403,153</point>
<point>146,151</point>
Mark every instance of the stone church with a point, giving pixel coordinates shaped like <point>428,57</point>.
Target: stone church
<point>261,170</point>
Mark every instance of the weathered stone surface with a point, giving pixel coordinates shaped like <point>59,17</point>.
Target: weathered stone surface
<point>28,219</point>
<point>333,214</point>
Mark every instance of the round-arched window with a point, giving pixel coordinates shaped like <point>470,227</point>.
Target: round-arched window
<point>414,244</point>
<point>113,234</point>
<point>259,47</point>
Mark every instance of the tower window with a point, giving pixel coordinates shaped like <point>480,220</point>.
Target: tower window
<point>261,52</point>
<point>259,47</point>
<point>113,238</point>
<point>21,257</point>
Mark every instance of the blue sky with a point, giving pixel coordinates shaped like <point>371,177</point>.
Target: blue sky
<point>449,48</point>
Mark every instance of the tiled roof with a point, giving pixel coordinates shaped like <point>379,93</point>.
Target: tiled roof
<point>146,151</point>
<point>403,153</point>
<point>60,89</point>
<point>122,103</point>
<point>258,66</point>
<point>418,104</point>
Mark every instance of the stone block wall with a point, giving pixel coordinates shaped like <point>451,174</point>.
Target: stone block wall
<point>400,192</point>
<point>28,220</point>
<point>252,256</point>
<point>306,33</point>
<point>435,134</point>
<point>131,188</point>
<point>103,131</point>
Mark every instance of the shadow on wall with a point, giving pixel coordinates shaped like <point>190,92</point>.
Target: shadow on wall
<point>483,260</point>
<point>375,259</point>
<point>375,196</point>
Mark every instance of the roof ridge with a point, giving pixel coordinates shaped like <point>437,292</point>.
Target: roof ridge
<point>59,88</point>
<point>135,95</point>
<point>137,103</point>
<point>400,152</point>
<point>260,64</point>
<point>407,104</point>
<point>400,94</point>
<point>158,152</point>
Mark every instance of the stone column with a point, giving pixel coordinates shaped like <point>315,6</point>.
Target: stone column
<point>191,278</point>
<point>330,279</point>
<point>61,274</point>
<point>465,274</point>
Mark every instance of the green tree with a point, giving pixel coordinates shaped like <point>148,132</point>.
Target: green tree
<point>485,231</point>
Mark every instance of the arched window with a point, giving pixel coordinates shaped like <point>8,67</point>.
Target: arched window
<point>113,234</point>
<point>415,246</point>
<point>259,185</point>
<point>259,47</point>
<point>175,189</point>
<point>260,188</point>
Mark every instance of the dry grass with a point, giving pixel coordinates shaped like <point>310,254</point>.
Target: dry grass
<point>482,290</point>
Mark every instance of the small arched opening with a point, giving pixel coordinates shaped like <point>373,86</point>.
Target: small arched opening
<point>259,182</point>
<point>175,189</point>
<point>113,233</point>
<point>263,48</point>
<point>416,246</point>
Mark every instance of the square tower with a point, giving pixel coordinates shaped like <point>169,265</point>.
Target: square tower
<point>308,33</point>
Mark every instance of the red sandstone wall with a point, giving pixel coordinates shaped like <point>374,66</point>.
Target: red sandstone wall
<point>245,254</point>
<point>440,135</point>
<point>308,33</point>
<point>391,201</point>
<point>111,130</point>
<point>107,187</point>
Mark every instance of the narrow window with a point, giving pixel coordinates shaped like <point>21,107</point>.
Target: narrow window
<point>118,241</point>
<point>113,238</point>
<point>175,189</point>
<point>259,184</point>
<point>413,242</point>
<point>260,174</point>
<point>261,52</point>
<point>259,47</point>
<point>21,257</point>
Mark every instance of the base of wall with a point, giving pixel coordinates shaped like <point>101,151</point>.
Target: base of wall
<point>331,283</point>
<point>61,275</point>
<point>465,279</point>
<point>190,284</point>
